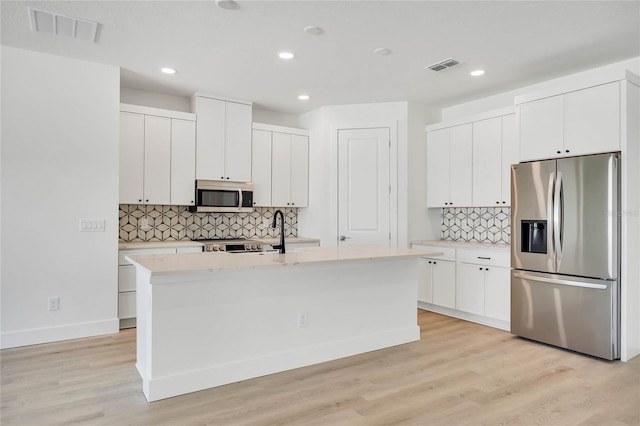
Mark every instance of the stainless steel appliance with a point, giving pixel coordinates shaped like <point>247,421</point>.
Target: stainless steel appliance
<point>224,197</point>
<point>565,253</point>
<point>232,246</point>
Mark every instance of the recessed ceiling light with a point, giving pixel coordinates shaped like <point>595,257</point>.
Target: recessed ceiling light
<point>168,70</point>
<point>304,97</point>
<point>476,73</point>
<point>286,55</point>
<point>382,51</point>
<point>226,4</point>
<point>313,30</point>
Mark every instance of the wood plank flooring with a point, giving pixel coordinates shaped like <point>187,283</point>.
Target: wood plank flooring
<point>459,373</point>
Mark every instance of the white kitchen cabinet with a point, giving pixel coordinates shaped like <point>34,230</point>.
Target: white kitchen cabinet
<point>157,157</point>
<point>437,277</point>
<point>470,288</point>
<point>494,150</point>
<point>183,162</point>
<point>261,167</point>
<point>127,277</point>
<point>145,159</point>
<point>497,293</point>
<point>281,173</point>
<point>579,122</point>
<point>223,147</point>
<point>449,161</point>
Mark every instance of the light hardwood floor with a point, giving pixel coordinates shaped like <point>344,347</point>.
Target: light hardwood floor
<point>458,373</point>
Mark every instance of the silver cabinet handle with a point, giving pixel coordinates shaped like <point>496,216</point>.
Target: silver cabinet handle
<point>342,238</point>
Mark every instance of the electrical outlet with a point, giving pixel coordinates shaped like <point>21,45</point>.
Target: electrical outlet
<point>265,223</point>
<point>144,223</point>
<point>303,319</point>
<point>54,303</point>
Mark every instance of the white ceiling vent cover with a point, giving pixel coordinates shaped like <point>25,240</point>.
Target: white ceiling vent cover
<point>443,65</point>
<point>52,23</point>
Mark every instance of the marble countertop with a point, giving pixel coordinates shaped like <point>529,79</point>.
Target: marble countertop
<point>463,244</point>
<point>288,240</point>
<point>161,264</point>
<point>157,244</point>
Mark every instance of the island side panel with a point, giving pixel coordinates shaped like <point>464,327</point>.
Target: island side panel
<point>219,327</point>
<point>143,325</point>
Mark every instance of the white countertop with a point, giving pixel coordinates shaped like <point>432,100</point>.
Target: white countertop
<point>288,240</point>
<point>463,244</point>
<point>158,244</point>
<point>159,264</point>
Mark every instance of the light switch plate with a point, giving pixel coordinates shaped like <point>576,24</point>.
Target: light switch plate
<point>92,225</point>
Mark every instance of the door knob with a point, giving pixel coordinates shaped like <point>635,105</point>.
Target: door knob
<point>343,238</point>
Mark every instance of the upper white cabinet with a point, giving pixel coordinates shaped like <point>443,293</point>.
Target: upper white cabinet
<point>223,139</point>
<point>280,166</point>
<point>449,158</point>
<point>495,148</point>
<point>579,122</point>
<point>157,156</point>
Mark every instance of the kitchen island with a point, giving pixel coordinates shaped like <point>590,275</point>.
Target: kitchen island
<point>208,319</point>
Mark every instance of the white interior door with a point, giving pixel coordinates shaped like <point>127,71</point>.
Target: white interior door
<point>363,187</point>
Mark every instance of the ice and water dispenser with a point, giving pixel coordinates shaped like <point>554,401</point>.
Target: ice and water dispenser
<point>533,236</point>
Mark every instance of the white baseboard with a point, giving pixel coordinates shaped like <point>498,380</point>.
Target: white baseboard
<point>222,374</point>
<point>37,336</point>
<point>491,322</point>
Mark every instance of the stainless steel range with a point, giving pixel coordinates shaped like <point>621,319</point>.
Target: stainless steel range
<point>232,246</point>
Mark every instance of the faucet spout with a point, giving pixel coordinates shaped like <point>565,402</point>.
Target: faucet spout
<point>280,247</point>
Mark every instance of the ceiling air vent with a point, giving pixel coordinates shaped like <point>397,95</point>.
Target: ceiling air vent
<point>444,64</point>
<point>53,23</point>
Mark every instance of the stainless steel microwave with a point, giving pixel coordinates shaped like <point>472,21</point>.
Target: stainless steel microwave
<point>223,197</point>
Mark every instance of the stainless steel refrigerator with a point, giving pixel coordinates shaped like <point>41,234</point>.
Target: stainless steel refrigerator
<point>565,253</point>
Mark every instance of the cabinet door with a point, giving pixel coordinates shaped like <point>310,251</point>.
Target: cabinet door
<point>444,283</point>
<point>131,158</point>
<point>510,155</point>
<point>438,168</point>
<point>299,171</point>
<point>497,293</point>
<point>261,168</point>
<point>487,162</point>
<point>183,162</point>
<point>238,142</point>
<point>470,288</point>
<point>460,165</point>
<point>157,160</point>
<point>281,170</point>
<point>425,280</point>
<point>592,120</point>
<point>541,128</point>
<point>211,138</point>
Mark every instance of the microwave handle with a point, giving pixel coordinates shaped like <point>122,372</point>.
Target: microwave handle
<point>239,198</point>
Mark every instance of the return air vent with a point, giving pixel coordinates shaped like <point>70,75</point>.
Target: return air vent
<point>443,65</point>
<point>52,23</point>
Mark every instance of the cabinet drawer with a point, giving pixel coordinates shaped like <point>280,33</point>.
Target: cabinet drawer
<point>448,252</point>
<point>485,257</point>
<point>133,252</point>
<point>126,278</point>
<point>127,305</point>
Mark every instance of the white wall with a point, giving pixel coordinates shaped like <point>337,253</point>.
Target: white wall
<point>320,219</point>
<point>505,99</point>
<point>265,116</point>
<point>155,100</point>
<point>59,164</point>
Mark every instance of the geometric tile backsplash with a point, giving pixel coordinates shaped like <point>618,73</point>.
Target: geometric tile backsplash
<point>476,224</point>
<point>174,223</point>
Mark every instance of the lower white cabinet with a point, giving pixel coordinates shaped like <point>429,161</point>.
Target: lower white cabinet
<point>127,279</point>
<point>471,284</point>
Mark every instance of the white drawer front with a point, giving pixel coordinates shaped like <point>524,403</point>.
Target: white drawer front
<point>189,249</point>
<point>126,278</point>
<point>133,252</point>
<point>448,252</point>
<point>127,305</point>
<point>485,257</point>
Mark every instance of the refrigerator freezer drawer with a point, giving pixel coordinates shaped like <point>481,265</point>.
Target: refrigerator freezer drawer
<point>573,313</point>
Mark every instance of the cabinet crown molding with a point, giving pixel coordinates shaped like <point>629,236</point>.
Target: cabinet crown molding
<point>279,129</point>
<point>478,117</point>
<point>220,98</point>
<point>158,112</point>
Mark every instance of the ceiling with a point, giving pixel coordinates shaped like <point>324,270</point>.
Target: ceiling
<point>233,53</point>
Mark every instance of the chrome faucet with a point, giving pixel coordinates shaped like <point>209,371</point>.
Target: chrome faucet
<point>280,247</point>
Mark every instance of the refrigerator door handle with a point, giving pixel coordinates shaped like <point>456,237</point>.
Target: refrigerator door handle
<point>558,218</point>
<point>550,210</point>
<point>556,281</point>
